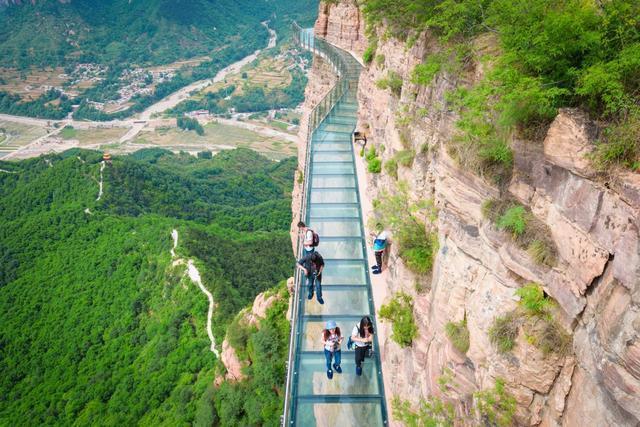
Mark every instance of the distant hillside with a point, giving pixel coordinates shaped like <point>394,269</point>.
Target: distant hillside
<point>99,325</point>
<point>49,32</point>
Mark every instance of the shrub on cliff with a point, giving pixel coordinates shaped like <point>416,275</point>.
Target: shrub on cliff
<point>458,333</point>
<point>504,331</point>
<point>430,412</point>
<point>374,165</point>
<point>399,311</point>
<point>368,54</point>
<point>405,157</point>
<point>495,406</point>
<point>533,299</point>
<point>534,316</point>
<point>391,168</point>
<point>526,230</point>
<point>417,244</point>
<point>393,82</point>
<point>513,220</point>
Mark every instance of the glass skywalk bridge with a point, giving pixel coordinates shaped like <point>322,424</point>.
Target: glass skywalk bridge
<point>331,206</point>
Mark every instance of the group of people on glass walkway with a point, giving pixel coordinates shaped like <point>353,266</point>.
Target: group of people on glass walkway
<point>361,338</point>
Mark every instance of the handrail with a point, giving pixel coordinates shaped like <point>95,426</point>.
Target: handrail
<point>346,82</point>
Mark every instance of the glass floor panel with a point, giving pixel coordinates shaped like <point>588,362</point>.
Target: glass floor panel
<point>340,119</point>
<point>338,272</point>
<point>333,168</point>
<point>337,248</point>
<point>343,156</point>
<point>339,301</point>
<point>312,414</point>
<point>340,128</point>
<point>333,196</point>
<point>312,376</point>
<point>343,228</point>
<point>332,146</point>
<point>324,137</point>
<point>320,181</point>
<point>334,211</point>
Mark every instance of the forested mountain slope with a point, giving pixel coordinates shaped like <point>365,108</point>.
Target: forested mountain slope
<point>140,31</point>
<point>98,324</point>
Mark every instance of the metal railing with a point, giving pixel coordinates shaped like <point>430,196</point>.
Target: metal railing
<point>347,81</point>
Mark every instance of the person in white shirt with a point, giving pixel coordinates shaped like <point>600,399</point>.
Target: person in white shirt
<point>332,339</point>
<point>362,337</point>
<point>308,237</point>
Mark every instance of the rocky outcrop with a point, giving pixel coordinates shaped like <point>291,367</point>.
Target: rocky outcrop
<point>343,25</point>
<point>593,223</point>
<point>248,317</point>
<point>232,363</point>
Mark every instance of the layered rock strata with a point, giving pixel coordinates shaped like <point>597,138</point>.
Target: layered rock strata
<point>593,223</point>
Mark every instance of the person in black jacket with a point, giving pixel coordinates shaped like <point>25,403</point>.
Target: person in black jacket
<point>312,264</point>
<point>362,337</point>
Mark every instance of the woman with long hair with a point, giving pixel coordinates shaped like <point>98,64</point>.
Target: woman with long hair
<point>362,337</point>
<point>332,339</point>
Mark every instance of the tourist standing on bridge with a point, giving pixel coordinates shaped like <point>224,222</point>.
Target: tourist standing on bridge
<point>310,238</point>
<point>332,339</point>
<point>362,338</point>
<point>312,264</point>
<point>380,237</point>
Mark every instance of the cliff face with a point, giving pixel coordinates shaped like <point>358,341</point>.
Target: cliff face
<point>593,223</point>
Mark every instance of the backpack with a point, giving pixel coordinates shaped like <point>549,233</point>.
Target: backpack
<point>316,239</point>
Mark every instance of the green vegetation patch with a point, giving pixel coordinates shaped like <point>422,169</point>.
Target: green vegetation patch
<point>369,53</point>
<point>68,132</point>
<point>424,73</point>
<point>393,82</point>
<point>374,163</point>
<point>535,316</point>
<point>187,123</point>
<point>391,168</point>
<point>527,231</point>
<point>429,412</point>
<point>458,333</point>
<point>259,399</point>
<point>493,406</point>
<point>399,311</point>
<point>504,331</point>
<point>417,245</point>
<point>405,157</point>
<point>571,54</point>
<point>111,316</point>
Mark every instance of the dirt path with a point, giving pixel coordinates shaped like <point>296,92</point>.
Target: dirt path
<point>101,181</point>
<point>195,277</point>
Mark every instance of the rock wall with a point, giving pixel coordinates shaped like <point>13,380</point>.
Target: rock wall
<point>594,224</point>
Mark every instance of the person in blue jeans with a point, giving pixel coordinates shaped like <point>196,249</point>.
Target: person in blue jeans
<point>332,340</point>
<point>312,264</point>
